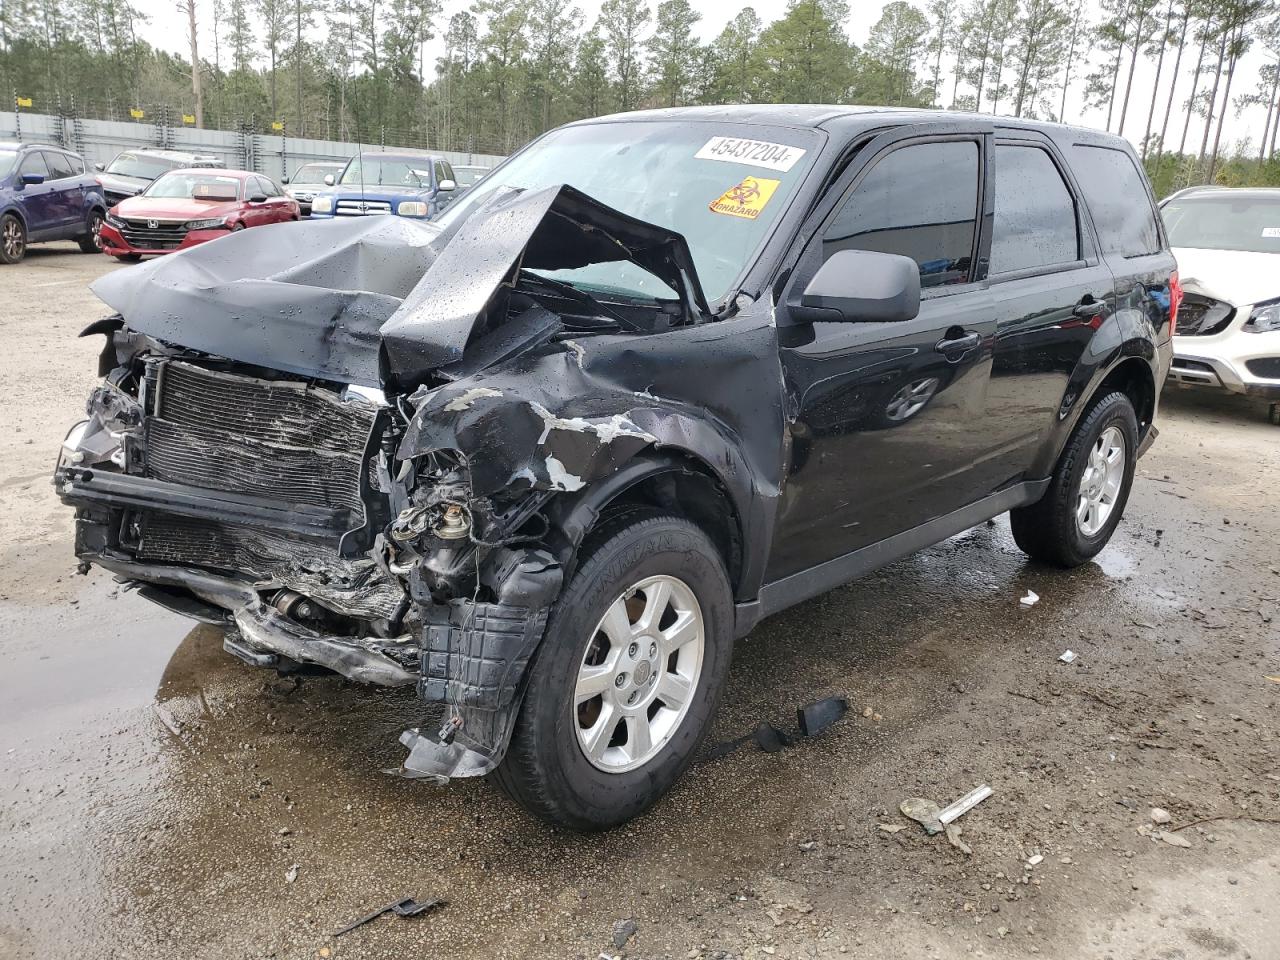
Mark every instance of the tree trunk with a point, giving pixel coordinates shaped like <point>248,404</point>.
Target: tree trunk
<point>1195,84</point>
<point>1213,97</point>
<point>297,64</point>
<point>1133,63</point>
<point>1271,111</point>
<point>1071,55</point>
<point>1115,71</point>
<point>1226,97</point>
<point>1173,84</point>
<point>1151,111</point>
<point>196,87</point>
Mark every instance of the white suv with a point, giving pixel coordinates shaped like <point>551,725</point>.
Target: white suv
<point>1227,241</point>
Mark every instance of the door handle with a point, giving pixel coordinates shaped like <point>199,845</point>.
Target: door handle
<point>1090,308</point>
<point>953,348</point>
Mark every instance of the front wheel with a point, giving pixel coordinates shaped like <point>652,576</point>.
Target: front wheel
<point>1090,487</point>
<point>627,679</point>
<point>13,239</point>
<point>91,241</point>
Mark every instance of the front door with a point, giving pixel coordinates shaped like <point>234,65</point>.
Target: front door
<point>888,421</point>
<point>39,200</point>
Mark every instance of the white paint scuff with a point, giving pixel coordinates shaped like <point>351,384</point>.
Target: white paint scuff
<point>463,401</point>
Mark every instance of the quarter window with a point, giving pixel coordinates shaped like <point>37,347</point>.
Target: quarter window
<point>1118,200</point>
<point>1035,222</point>
<point>920,201</point>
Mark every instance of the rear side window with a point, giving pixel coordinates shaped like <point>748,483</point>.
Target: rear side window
<point>1118,200</point>
<point>1035,223</point>
<point>59,166</point>
<point>920,201</point>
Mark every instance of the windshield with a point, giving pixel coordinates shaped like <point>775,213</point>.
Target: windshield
<point>194,186</point>
<point>387,172</point>
<point>142,167</point>
<point>466,176</point>
<point>7,160</point>
<point>315,172</point>
<point>719,185</point>
<point>1224,223</point>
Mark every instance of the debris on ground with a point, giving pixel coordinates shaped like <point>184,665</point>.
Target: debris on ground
<point>953,838</point>
<point>1068,656</point>
<point>892,827</point>
<point>815,717</point>
<point>965,804</point>
<point>291,874</point>
<point>404,907</point>
<point>1274,679</point>
<point>623,931</point>
<point>1159,815</point>
<point>1031,599</point>
<point>933,818</point>
<point>1035,861</point>
<point>1170,837</point>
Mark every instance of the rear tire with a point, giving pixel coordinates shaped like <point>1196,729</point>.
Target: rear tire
<point>574,764</point>
<point>91,242</point>
<point>13,239</point>
<point>1090,487</point>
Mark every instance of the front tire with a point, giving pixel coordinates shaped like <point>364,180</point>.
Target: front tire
<point>13,239</point>
<point>1090,487</point>
<point>628,676</point>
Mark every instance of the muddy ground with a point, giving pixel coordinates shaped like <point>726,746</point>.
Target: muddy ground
<point>156,794</point>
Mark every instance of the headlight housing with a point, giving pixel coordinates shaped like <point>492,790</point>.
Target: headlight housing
<point>1264,318</point>
<point>412,208</point>
<point>114,221</point>
<point>209,224</point>
<point>322,205</point>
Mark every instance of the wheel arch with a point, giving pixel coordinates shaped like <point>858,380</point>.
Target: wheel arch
<point>672,480</point>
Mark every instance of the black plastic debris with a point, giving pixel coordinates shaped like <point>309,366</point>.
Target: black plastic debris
<point>404,907</point>
<point>817,716</point>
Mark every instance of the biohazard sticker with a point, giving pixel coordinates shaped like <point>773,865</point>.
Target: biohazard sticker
<point>747,199</point>
<point>754,153</point>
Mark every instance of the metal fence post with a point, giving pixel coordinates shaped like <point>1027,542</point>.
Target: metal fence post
<point>17,117</point>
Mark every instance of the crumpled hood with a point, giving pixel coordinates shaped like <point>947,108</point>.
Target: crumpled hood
<point>1236,277</point>
<point>115,183</point>
<point>380,301</point>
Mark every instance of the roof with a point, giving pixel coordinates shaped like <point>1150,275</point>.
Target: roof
<point>218,172</point>
<point>32,144</point>
<point>825,116</point>
<point>171,154</point>
<point>1242,193</point>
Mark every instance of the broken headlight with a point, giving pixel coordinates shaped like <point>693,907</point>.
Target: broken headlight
<point>89,443</point>
<point>1264,318</point>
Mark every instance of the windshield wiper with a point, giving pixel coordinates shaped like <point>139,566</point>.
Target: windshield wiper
<point>573,293</point>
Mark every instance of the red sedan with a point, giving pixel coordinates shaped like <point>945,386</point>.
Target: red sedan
<point>186,207</point>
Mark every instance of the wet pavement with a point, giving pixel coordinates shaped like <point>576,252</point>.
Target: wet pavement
<point>156,793</point>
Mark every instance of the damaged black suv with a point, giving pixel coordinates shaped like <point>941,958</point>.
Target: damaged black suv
<point>656,377</point>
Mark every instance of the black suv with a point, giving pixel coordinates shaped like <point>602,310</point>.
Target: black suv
<point>656,377</point>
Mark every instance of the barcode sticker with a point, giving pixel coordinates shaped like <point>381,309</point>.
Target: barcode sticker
<point>755,153</point>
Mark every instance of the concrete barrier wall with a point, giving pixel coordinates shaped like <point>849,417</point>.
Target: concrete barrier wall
<point>277,156</point>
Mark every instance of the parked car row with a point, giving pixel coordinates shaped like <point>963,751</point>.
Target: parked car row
<point>152,202</point>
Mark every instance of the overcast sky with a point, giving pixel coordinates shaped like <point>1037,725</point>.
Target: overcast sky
<point>167,29</point>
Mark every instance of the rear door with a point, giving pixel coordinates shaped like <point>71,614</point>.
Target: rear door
<point>1052,291</point>
<point>889,426</point>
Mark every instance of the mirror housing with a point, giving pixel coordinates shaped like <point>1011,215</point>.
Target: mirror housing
<point>32,179</point>
<point>862,286</point>
<point>328,180</point>
<point>447,186</point>
<point>258,198</point>
<point>99,166</point>
<point>284,179</point>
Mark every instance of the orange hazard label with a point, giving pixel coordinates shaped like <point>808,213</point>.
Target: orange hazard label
<point>747,199</point>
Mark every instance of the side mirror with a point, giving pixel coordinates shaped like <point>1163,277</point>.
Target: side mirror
<point>31,179</point>
<point>328,179</point>
<point>258,198</point>
<point>284,179</point>
<point>862,286</point>
<point>99,166</point>
<point>446,186</point>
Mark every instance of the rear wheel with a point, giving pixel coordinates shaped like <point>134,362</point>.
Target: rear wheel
<point>13,239</point>
<point>91,241</point>
<point>627,680</point>
<point>1090,487</point>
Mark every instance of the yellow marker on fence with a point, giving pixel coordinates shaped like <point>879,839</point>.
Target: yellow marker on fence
<point>188,118</point>
<point>23,101</point>
<point>277,125</point>
<point>136,113</point>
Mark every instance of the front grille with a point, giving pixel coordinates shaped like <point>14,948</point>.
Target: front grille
<point>1201,316</point>
<point>277,439</point>
<point>359,208</point>
<point>163,236</point>
<point>1266,367</point>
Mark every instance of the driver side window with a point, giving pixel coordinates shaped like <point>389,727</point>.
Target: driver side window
<point>920,201</point>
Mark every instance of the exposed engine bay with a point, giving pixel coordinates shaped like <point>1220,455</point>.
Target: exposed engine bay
<point>388,475</point>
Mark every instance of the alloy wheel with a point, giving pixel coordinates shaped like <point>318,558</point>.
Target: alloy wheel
<point>1101,482</point>
<point>639,674</point>
<point>11,239</point>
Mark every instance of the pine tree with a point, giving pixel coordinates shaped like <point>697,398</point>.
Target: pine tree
<point>806,56</point>
<point>736,71</point>
<point>674,52</point>
<point>887,64</point>
<point>1037,49</point>
<point>623,24</point>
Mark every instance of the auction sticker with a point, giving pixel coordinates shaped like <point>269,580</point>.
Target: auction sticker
<point>755,153</point>
<point>1270,233</point>
<point>747,199</point>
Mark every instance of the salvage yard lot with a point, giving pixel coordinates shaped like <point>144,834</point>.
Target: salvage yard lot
<point>156,793</point>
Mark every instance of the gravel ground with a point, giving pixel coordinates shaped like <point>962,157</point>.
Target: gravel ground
<point>157,795</point>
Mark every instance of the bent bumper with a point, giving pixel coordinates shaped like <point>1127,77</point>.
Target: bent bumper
<point>1223,362</point>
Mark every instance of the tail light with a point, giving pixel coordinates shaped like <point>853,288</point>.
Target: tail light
<point>1175,300</point>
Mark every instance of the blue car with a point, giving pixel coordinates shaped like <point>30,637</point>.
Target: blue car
<point>45,194</point>
<point>403,183</point>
